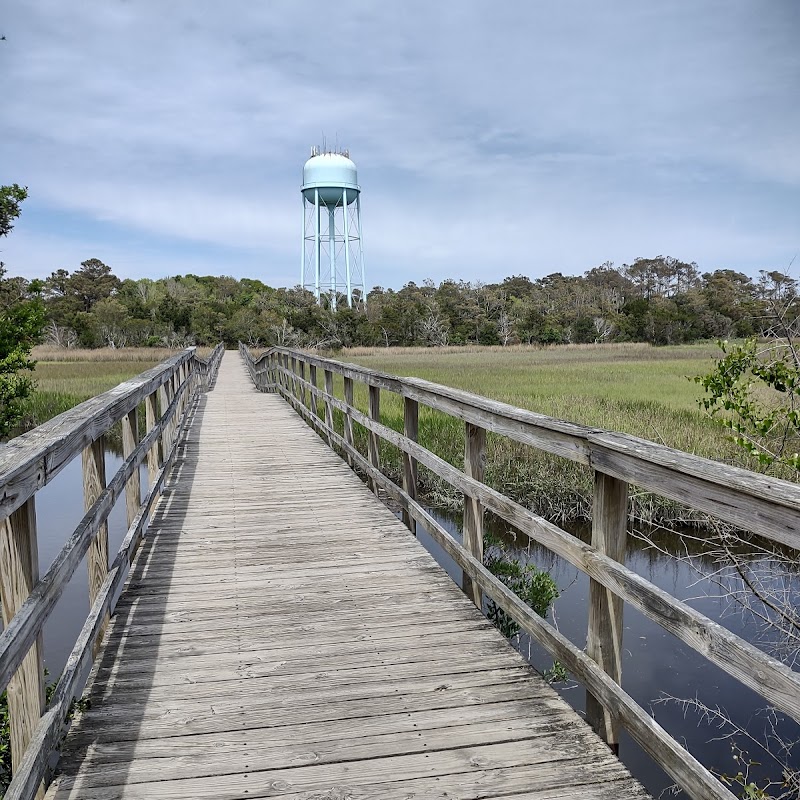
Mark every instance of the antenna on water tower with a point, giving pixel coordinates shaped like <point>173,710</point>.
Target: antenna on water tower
<point>332,260</point>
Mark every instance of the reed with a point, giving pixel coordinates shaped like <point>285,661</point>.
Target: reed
<point>632,388</point>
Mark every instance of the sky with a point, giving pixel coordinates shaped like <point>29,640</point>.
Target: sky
<point>491,139</point>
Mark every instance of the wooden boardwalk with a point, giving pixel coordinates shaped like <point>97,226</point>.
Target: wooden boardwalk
<point>282,634</point>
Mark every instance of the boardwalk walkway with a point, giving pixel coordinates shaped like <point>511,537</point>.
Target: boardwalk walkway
<point>283,635</point>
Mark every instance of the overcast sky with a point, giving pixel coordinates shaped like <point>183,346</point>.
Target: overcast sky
<point>491,138</point>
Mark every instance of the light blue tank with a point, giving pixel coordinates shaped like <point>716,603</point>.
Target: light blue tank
<point>330,173</point>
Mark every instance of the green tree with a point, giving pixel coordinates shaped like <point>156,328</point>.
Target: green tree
<point>21,323</point>
<point>11,198</point>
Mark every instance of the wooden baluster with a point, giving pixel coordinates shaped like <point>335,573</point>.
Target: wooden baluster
<point>328,406</point>
<point>372,439</point>
<point>348,417</point>
<point>284,359</point>
<point>604,639</point>
<point>474,467</point>
<point>176,414</point>
<point>133,488</point>
<point>19,573</point>
<point>183,373</point>
<point>293,368</point>
<point>302,371</point>
<point>94,482</point>
<point>411,431</point>
<point>163,404</point>
<point>312,377</point>
<point>152,454</point>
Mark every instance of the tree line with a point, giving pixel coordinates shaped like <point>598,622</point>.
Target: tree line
<point>659,300</point>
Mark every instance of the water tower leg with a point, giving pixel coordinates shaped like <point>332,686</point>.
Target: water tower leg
<point>332,248</point>
<point>347,250</point>
<point>303,249</point>
<point>316,243</point>
<point>361,253</point>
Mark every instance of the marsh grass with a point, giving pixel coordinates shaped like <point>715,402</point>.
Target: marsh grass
<point>632,388</point>
<point>64,378</point>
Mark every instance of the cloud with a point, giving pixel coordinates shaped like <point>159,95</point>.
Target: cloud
<point>490,139</point>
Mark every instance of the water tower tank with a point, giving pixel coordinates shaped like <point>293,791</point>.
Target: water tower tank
<point>330,174</point>
<point>332,256</point>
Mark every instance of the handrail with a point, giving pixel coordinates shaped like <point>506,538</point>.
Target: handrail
<point>170,392</point>
<point>769,507</point>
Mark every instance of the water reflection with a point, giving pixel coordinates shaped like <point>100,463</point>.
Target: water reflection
<point>656,665</point>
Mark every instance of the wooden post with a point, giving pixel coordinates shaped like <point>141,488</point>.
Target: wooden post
<point>273,371</point>
<point>163,404</point>
<point>302,371</point>
<point>411,431</point>
<point>328,406</point>
<point>293,368</point>
<point>175,383</point>
<point>152,454</point>
<point>372,439</point>
<point>182,374</point>
<point>94,481</point>
<point>604,639</point>
<point>133,488</point>
<point>474,467</point>
<point>312,377</point>
<point>19,573</point>
<point>348,417</point>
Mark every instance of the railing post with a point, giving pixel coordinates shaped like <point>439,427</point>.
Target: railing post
<point>604,639</point>
<point>94,482</point>
<point>284,361</point>
<point>474,467</point>
<point>372,439</point>
<point>302,370</point>
<point>163,403</point>
<point>150,416</point>
<point>133,488</point>
<point>175,383</point>
<point>19,573</point>
<point>293,368</point>
<point>328,406</point>
<point>184,374</point>
<point>410,431</point>
<point>312,378</point>
<point>348,417</point>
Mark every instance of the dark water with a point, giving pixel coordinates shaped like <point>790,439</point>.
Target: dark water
<point>655,663</point>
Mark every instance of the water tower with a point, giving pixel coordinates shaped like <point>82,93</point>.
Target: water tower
<point>332,260</point>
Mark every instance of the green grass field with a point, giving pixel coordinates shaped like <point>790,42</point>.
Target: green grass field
<point>633,388</point>
<point>64,378</point>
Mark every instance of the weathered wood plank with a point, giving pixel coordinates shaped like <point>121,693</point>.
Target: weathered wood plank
<point>474,467</point>
<point>19,574</point>
<point>373,443</point>
<point>348,417</point>
<point>133,488</point>
<point>411,432</point>
<point>94,483</point>
<point>604,639</point>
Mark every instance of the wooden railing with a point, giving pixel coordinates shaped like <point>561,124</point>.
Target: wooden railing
<point>766,506</point>
<point>28,462</point>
